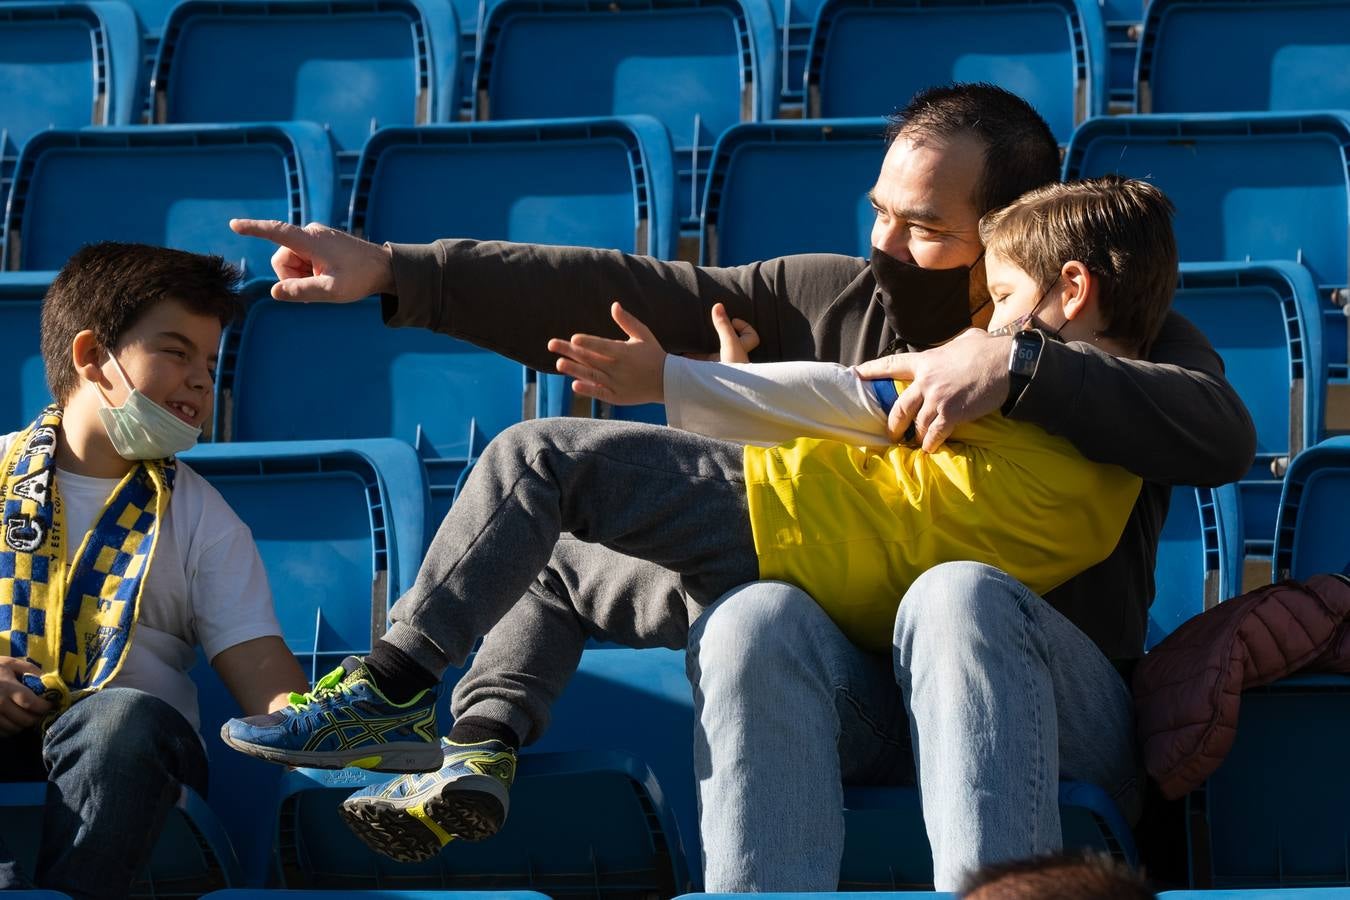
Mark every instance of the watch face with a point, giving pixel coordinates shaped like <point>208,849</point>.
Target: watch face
<point>1025,353</point>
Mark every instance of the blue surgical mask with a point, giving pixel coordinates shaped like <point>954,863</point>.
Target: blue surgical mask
<point>142,429</point>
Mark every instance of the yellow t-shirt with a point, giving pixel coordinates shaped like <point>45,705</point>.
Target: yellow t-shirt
<point>855,526</point>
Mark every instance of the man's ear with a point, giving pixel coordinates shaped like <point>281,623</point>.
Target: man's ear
<point>87,355</point>
<point>1079,295</point>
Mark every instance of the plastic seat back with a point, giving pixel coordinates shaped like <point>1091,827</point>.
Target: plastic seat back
<point>23,377</point>
<point>1264,320</point>
<point>791,187</point>
<point>350,66</point>
<point>1268,186</point>
<point>1199,557</point>
<point>176,186</point>
<point>1270,55</point>
<point>340,527</point>
<point>605,183</point>
<point>698,66</point>
<point>66,65</point>
<point>1312,534</point>
<point>1050,52</point>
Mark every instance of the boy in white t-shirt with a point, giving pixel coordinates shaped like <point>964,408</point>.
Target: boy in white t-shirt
<point>116,561</point>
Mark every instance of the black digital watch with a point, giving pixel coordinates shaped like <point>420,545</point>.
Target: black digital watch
<point>1022,363</point>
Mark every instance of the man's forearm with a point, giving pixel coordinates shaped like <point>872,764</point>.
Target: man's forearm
<point>512,298</point>
<point>1173,420</point>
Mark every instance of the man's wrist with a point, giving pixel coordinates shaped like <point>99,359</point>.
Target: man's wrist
<point>1023,359</point>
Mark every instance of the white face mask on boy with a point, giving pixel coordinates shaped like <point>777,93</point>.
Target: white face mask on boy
<point>142,429</point>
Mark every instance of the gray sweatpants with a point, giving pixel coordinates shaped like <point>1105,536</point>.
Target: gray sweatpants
<point>659,529</point>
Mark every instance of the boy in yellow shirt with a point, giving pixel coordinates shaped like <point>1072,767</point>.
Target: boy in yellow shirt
<point>840,514</point>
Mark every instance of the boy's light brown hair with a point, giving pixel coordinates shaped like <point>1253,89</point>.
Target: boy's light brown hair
<point>1120,228</point>
<point>107,287</point>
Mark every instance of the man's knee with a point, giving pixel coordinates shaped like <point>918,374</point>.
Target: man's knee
<point>754,626</point>
<point>955,604</point>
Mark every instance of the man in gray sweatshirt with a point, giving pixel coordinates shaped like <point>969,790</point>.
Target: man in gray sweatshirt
<point>991,694</point>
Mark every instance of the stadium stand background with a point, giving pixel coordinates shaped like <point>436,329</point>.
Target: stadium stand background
<point>718,131</point>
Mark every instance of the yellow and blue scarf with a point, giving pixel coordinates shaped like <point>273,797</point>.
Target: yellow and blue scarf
<point>74,621</point>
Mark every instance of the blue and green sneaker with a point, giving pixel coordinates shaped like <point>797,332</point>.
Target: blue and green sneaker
<point>344,721</point>
<point>410,818</point>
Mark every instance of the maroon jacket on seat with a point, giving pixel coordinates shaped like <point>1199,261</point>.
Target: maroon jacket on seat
<point>1187,689</point>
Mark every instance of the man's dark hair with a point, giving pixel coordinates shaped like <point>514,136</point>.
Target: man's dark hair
<point>1020,153</point>
<point>107,287</point>
<point>1064,876</point>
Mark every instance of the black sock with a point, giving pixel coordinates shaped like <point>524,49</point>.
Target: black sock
<point>396,674</point>
<point>476,729</point>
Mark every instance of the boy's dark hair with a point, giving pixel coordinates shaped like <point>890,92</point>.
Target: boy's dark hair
<point>1020,152</point>
<point>107,287</point>
<point>1120,228</point>
<point>1066,876</point>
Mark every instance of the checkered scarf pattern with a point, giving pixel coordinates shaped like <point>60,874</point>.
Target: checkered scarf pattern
<point>74,621</point>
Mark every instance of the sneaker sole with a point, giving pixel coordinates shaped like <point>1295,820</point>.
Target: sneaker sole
<point>406,830</point>
<point>403,757</point>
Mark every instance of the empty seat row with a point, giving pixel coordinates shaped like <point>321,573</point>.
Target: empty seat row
<point>604,183</point>
<point>698,66</point>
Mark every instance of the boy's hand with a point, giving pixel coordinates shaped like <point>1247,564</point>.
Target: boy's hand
<point>20,708</point>
<point>958,382</point>
<point>618,372</point>
<point>318,263</point>
<point>735,338</point>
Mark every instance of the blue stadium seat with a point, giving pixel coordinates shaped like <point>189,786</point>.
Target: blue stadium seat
<point>350,65</point>
<point>192,855</point>
<point>273,894</point>
<point>1264,319</point>
<point>791,187</point>
<point>445,397</point>
<point>35,895</point>
<point>340,526</point>
<point>23,379</point>
<point>699,66</point>
<point>1261,186</point>
<point>1274,812</point>
<point>65,65</point>
<point>173,185</point>
<point>607,183</point>
<point>470,14</point>
<point>622,782</point>
<point>1122,21</point>
<point>1312,535</point>
<point>886,847</point>
<point>794,20</point>
<point>1275,55</point>
<point>1052,53</point>
<point>1199,557</point>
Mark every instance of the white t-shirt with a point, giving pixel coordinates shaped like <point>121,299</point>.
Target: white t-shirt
<point>772,403</point>
<point>206,586</point>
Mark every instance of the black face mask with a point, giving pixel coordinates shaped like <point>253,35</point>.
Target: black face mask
<point>924,307</point>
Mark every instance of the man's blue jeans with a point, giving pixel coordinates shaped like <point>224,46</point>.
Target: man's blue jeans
<point>1004,698</point>
<point>116,763</point>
